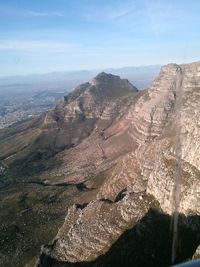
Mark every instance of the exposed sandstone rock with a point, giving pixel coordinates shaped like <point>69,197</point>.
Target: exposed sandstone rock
<point>96,227</point>
<point>91,107</point>
<point>90,100</point>
<point>151,124</point>
<point>197,253</point>
<point>186,120</point>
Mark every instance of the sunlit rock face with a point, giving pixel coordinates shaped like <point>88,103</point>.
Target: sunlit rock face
<point>81,120</point>
<point>92,100</point>
<point>181,138</point>
<point>153,130</point>
<point>94,229</point>
<point>197,253</point>
<point>92,105</point>
<point>90,108</point>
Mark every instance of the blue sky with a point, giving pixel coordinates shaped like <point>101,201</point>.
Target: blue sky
<point>38,36</point>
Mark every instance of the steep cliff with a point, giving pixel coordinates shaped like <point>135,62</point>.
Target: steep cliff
<point>163,131</point>
<point>131,160</point>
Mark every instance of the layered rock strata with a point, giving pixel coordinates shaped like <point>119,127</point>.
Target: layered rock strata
<point>164,115</point>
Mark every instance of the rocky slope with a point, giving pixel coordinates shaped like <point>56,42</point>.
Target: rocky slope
<point>127,152</point>
<point>35,176</point>
<point>162,126</point>
<point>91,107</point>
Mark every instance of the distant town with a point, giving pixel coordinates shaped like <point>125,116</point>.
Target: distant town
<point>19,107</point>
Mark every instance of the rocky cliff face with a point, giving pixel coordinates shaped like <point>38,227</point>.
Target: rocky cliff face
<point>128,152</point>
<point>162,128</point>
<point>98,105</point>
<point>90,108</point>
<point>180,142</point>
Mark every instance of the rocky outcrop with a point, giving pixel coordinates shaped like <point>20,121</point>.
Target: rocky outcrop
<point>111,98</point>
<point>97,226</point>
<point>180,143</point>
<point>197,253</point>
<point>91,107</point>
<point>162,126</point>
<point>126,151</point>
<point>92,100</point>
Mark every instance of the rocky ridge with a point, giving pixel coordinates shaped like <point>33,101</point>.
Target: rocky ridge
<point>91,107</point>
<point>123,150</point>
<point>161,117</point>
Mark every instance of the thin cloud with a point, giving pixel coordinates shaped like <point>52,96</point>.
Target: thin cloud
<point>37,46</point>
<point>120,13</point>
<point>155,17</point>
<point>12,11</point>
<point>44,14</point>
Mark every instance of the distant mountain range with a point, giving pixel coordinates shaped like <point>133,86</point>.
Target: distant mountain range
<point>67,80</point>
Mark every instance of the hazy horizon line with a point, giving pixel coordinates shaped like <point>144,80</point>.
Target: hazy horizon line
<point>95,69</point>
<point>81,70</point>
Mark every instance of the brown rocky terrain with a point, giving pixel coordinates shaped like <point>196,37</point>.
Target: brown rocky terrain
<point>34,190</point>
<point>87,111</point>
<point>170,107</point>
<point>125,150</point>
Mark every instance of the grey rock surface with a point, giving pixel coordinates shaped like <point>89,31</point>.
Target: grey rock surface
<point>168,110</point>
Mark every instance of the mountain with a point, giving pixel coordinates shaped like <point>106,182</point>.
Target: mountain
<point>22,97</point>
<point>32,208</point>
<point>133,157</point>
<point>66,80</point>
<point>142,178</point>
<point>91,107</point>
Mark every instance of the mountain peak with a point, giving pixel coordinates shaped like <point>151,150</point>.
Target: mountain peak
<point>112,85</point>
<point>104,77</point>
<point>170,68</point>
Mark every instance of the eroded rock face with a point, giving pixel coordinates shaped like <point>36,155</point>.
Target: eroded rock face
<point>93,226</point>
<point>197,253</point>
<point>93,105</point>
<point>185,121</point>
<point>90,107</point>
<point>97,99</point>
<point>111,98</point>
<point>161,126</point>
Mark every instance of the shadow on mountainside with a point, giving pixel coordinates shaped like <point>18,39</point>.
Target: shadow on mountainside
<point>148,243</point>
